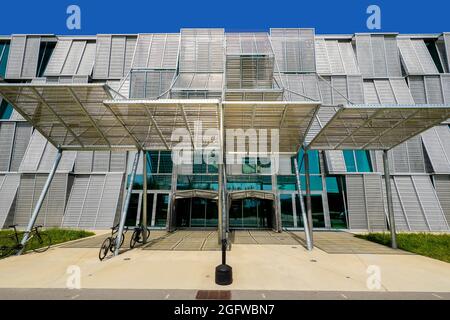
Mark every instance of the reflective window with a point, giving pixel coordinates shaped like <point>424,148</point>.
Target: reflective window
<point>357,161</point>
<point>338,216</point>
<point>5,110</point>
<point>4,52</point>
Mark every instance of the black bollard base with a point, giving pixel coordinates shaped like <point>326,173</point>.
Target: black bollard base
<point>224,275</point>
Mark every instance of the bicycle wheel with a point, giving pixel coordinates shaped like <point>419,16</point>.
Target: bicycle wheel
<point>40,242</point>
<point>134,238</point>
<point>106,245</point>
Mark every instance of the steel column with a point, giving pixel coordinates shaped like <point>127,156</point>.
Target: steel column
<point>144,196</point>
<point>309,243</point>
<point>387,180</point>
<point>127,203</point>
<point>171,221</point>
<point>40,201</point>
<point>308,193</point>
<point>220,193</point>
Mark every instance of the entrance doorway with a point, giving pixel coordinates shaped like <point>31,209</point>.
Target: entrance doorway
<point>157,209</point>
<point>251,213</point>
<point>196,212</point>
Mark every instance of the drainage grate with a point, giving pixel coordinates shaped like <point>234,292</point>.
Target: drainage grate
<point>213,295</point>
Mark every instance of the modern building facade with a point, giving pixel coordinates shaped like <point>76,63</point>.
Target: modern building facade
<point>200,65</point>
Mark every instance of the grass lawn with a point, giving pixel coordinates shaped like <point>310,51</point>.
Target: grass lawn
<point>56,235</point>
<point>436,246</point>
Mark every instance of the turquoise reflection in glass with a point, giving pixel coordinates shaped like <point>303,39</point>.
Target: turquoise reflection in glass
<point>201,182</point>
<point>45,52</point>
<point>5,110</point>
<point>287,183</point>
<point>4,52</point>
<point>249,165</point>
<point>165,162</point>
<point>357,161</point>
<point>155,182</point>
<point>254,182</point>
<point>349,159</point>
<point>287,213</point>
<point>363,161</point>
<point>314,164</point>
<point>250,213</point>
<point>315,182</point>
<point>332,185</point>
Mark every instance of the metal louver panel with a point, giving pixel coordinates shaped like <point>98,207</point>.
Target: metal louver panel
<point>430,204</point>
<point>101,161</point>
<point>15,59</point>
<point>118,161</point>
<point>355,89</point>
<point>348,58</point>
<point>437,144</point>
<point>417,87</point>
<point>21,141</point>
<point>424,57</point>
<point>401,223</point>
<point>370,93</point>
<point>83,162</point>
<point>433,90</point>
<point>357,213</point>
<point>156,51</point>
<point>7,130</point>
<point>31,57</point>
<point>23,57</point>
<point>322,62</point>
<point>294,49</point>
<point>305,86</point>
<point>442,184</point>
<point>75,203</point>
<point>378,55</point>
<point>8,188</point>
<point>93,201</point>
<point>416,57</point>
<point>71,57</point>
<point>401,91</point>
<point>374,203</point>
<point>340,90</point>
<point>48,158</point>
<point>385,93</point>
<point>445,80</point>
<point>33,154</point>
<point>109,201</point>
<point>58,58</point>
<point>114,56</point>
<point>407,157</point>
<point>415,155</point>
<point>411,204</point>
<point>50,214</point>
<point>335,161</point>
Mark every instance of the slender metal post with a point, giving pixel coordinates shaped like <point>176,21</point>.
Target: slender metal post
<point>40,201</point>
<point>127,203</point>
<point>221,194</point>
<point>144,195</point>
<point>309,243</point>
<point>387,180</point>
<point>308,194</point>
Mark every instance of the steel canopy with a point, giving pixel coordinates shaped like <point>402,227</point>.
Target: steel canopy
<point>370,127</point>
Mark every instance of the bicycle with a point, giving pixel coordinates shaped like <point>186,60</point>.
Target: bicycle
<point>137,236</point>
<point>109,244</point>
<point>37,241</point>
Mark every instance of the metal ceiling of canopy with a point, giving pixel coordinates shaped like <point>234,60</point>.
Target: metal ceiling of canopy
<point>367,127</point>
<point>292,119</point>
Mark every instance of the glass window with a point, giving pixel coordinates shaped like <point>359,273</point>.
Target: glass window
<point>4,52</point>
<point>249,165</point>
<point>162,204</point>
<point>363,161</point>
<point>5,110</point>
<point>287,213</point>
<point>165,162</point>
<point>314,164</point>
<point>45,52</point>
<point>133,208</point>
<point>349,158</point>
<point>357,161</point>
<point>338,217</point>
<point>152,160</point>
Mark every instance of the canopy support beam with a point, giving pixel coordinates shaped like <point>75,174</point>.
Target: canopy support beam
<point>309,243</point>
<point>127,203</point>
<point>40,202</point>
<point>308,194</point>
<point>387,180</point>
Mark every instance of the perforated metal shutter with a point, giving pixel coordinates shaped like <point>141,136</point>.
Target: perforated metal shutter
<point>16,55</point>
<point>102,57</point>
<point>401,223</point>
<point>31,56</point>
<point>335,161</point>
<point>374,203</point>
<point>411,204</point>
<point>442,184</point>
<point>101,161</point>
<point>9,184</point>
<point>417,87</point>
<point>434,90</point>
<point>6,144</point>
<point>357,213</point>
<point>430,204</point>
<point>21,141</point>
<point>109,202</point>
<point>364,55</point>
<point>58,58</point>
<point>156,51</point>
<point>83,162</point>
<point>434,146</point>
<point>118,161</point>
<point>75,204</point>
<point>33,154</point>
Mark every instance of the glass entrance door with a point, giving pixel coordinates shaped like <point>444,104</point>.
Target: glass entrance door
<point>250,213</point>
<point>196,213</point>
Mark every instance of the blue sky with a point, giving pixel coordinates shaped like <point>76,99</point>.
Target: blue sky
<point>132,16</point>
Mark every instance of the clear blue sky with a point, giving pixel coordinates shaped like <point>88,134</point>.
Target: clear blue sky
<point>132,16</point>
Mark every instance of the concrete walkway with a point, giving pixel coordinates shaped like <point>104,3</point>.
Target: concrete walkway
<point>256,267</point>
